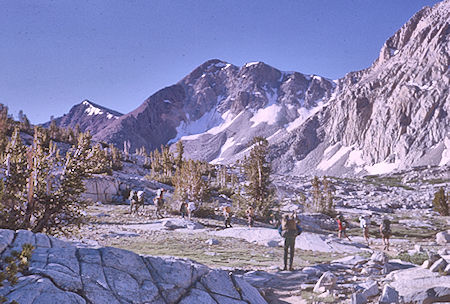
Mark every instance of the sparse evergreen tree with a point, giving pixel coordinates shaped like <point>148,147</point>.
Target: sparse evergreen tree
<point>257,172</point>
<point>441,202</point>
<point>167,160</point>
<point>179,152</point>
<point>100,161</point>
<point>4,127</point>
<point>189,182</point>
<point>40,190</point>
<point>322,196</point>
<point>115,157</point>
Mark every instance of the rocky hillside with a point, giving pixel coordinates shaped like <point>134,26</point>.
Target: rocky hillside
<point>89,116</point>
<point>393,115</point>
<point>219,107</point>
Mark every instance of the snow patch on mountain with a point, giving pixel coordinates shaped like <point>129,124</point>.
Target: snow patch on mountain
<point>303,115</point>
<point>228,144</point>
<point>381,168</point>
<point>192,129</point>
<point>268,115</point>
<point>331,158</point>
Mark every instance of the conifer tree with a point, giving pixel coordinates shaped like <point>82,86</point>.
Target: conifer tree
<point>257,172</point>
<point>41,190</point>
<point>441,202</point>
<point>179,151</point>
<point>189,182</point>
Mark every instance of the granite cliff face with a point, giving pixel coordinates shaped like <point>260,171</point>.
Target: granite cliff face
<point>393,115</point>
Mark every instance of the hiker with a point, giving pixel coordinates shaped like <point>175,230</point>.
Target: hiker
<point>289,230</point>
<point>364,222</point>
<point>191,208</point>
<point>275,220</point>
<point>227,216</point>
<point>159,202</point>
<point>342,227</point>
<point>385,231</point>
<point>250,216</point>
<point>133,201</point>
<point>183,209</point>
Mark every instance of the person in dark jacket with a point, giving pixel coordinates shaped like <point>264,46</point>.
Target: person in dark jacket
<point>289,230</point>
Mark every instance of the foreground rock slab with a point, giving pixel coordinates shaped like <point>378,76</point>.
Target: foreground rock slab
<point>60,272</point>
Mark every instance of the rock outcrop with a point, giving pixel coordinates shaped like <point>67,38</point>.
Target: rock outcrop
<point>393,115</point>
<point>60,272</point>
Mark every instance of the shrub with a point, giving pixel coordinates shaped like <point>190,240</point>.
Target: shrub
<point>441,202</point>
<point>14,264</point>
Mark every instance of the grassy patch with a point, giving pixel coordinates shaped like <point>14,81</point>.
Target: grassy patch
<point>312,297</point>
<point>389,181</point>
<point>417,258</point>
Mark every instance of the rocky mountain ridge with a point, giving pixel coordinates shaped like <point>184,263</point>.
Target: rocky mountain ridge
<point>88,116</point>
<point>390,116</point>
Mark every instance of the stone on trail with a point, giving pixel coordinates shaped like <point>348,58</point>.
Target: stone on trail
<point>389,295</point>
<point>432,295</point>
<point>358,298</point>
<point>379,257</point>
<point>439,265</point>
<point>370,289</point>
<point>326,282</point>
<point>212,242</point>
<point>421,279</point>
<point>447,269</point>
<point>443,238</point>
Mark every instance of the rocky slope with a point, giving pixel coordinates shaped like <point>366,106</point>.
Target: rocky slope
<point>89,116</point>
<point>59,272</point>
<point>393,115</point>
<point>219,107</point>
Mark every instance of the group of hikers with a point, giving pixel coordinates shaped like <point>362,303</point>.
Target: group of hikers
<point>364,223</point>
<point>289,226</point>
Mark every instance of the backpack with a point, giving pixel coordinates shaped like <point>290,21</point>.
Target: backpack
<point>289,228</point>
<point>386,225</point>
<point>140,196</point>
<point>363,222</point>
<point>131,197</point>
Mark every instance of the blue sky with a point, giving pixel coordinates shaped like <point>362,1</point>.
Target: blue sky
<point>54,54</point>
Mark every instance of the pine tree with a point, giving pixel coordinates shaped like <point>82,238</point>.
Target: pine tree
<point>257,172</point>
<point>441,202</point>
<point>41,190</point>
<point>179,151</point>
<point>189,182</point>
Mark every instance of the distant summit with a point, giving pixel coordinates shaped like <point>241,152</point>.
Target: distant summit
<point>89,116</point>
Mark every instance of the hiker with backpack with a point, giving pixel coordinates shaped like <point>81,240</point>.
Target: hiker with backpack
<point>385,231</point>
<point>191,208</point>
<point>183,209</point>
<point>289,230</point>
<point>159,202</point>
<point>364,222</point>
<point>250,212</point>
<point>227,216</point>
<point>342,227</point>
<point>134,199</point>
